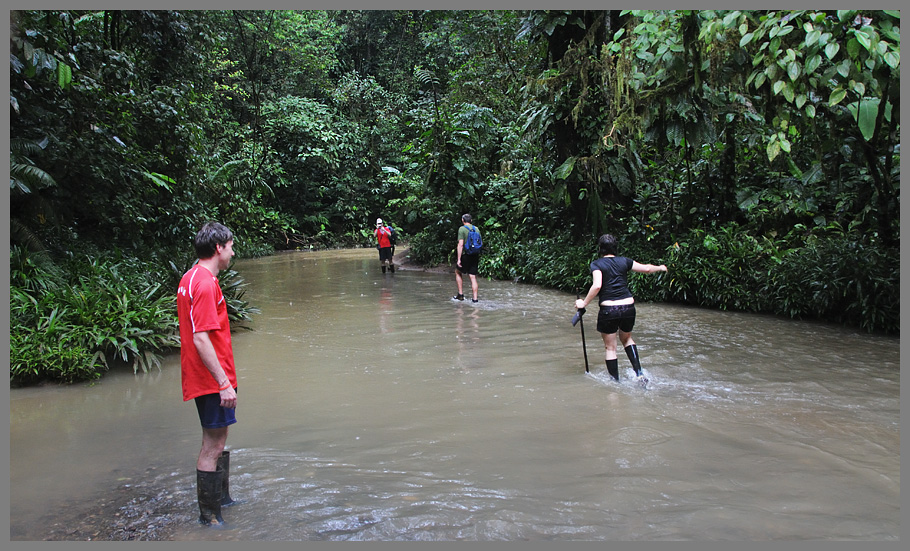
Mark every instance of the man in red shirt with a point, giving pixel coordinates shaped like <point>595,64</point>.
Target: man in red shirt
<point>207,364</point>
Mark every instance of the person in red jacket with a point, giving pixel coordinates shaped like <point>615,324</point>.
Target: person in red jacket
<point>207,368</point>
<point>384,244</point>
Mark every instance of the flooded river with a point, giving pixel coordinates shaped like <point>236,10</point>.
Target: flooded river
<point>374,407</point>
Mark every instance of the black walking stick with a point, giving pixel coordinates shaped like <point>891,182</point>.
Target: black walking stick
<point>577,319</point>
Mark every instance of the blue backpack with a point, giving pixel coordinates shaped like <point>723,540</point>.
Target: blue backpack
<point>473,242</point>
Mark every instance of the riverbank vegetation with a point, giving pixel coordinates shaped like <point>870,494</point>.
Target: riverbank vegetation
<point>756,153</point>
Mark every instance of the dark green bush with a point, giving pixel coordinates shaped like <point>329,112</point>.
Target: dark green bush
<point>45,345</point>
<point>830,277</point>
<point>104,311</point>
<point>36,357</point>
<point>838,279</point>
<point>558,263</point>
<point>69,323</point>
<point>435,244</point>
<point>719,269</point>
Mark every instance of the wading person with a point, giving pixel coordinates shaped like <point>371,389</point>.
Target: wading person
<point>467,257</point>
<point>617,306</point>
<point>384,244</point>
<point>207,365</point>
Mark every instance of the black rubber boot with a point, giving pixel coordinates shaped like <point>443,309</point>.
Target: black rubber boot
<point>208,491</point>
<point>613,368</point>
<point>383,268</point>
<point>392,267</point>
<point>224,463</point>
<point>632,353</point>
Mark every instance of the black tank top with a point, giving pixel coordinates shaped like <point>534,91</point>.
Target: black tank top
<point>614,285</point>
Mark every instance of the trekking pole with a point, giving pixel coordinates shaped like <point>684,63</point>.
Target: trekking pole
<point>577,318</point>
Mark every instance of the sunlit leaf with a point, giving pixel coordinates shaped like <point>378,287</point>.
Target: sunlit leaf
<point>773,150</point>
<point>844,68</point>
<point>836,96</point>
<point>813,63</point>
<point>863,38</point>
<point>788,92</point>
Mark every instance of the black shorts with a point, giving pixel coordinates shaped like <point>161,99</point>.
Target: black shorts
<point>469,264</point>
<point>611,318</point>
<point>211,414</point>
<point>385,253</point>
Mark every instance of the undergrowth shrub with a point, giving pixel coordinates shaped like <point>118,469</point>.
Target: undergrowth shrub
<point>435,244</point>
<point>72,322</point>
<point>829,277</point>
<point>720,269</point>
<point>838,279</point>
<point>44,345</point>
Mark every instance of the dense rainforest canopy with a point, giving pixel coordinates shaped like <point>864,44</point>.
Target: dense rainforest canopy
<point>756,153</point>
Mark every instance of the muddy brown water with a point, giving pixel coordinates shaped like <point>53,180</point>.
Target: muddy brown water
<point>374,407</point>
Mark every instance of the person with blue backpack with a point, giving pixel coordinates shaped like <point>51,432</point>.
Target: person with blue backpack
<point>467,256</point>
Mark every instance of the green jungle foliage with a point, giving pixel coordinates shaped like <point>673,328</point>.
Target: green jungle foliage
<point>755,152</point>
<point>74,321</point>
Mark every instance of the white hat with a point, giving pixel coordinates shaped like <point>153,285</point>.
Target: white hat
<point>378,221</point>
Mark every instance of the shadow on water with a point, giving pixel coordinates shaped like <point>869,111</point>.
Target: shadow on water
<point>374,407</point>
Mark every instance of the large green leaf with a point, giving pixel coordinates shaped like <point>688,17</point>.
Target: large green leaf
<point>812,37</point>
<point>160,180</point>
<point>64,75</point>
<point>565,169</point>
<point>836,96</point>
<point>788,91</point>
<point>863,38</point>
<point>865,112</point>
<point>773,150</point>
<point>813,63</point>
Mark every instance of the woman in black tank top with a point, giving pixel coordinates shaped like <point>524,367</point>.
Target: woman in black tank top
<point>617,306</point>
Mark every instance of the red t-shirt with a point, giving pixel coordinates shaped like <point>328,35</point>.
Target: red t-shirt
<point>382,235</point>
<point>201,307</point>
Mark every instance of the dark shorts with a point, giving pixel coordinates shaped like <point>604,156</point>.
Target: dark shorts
<point>385,253</point>
<point>611,318</point>
<point>211,414</point>
<point>469,264</point>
